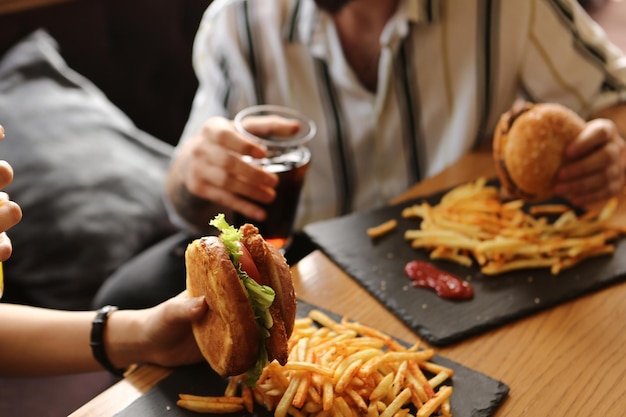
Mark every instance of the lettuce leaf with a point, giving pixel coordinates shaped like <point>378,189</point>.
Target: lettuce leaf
<point>261,296</point>
<point>229,235</point>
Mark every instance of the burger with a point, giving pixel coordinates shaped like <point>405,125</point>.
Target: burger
<point>528,147</point>
<point>247,285</point>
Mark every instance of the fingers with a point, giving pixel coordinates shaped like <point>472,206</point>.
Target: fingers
<point>226,169</point>
<point>218,166</point>
<point>271,125</point>
<point>589,189</point>
<point>595,135</point>
<point>594,169</point>
<point>227,198</point>
<point>225,179</point>
<point>10,212</point>
<point>221,132</point>
<point>6,249</point>
<point>6,174</point>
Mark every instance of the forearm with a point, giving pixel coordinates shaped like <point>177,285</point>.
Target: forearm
<point>36,341</point>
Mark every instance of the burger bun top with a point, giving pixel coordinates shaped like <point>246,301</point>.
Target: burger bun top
<point>528,148</point>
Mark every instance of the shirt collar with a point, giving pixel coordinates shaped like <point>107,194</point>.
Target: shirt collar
<point>314,24</point>
<point>409,12</point>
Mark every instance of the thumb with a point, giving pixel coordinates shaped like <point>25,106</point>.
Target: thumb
<point>184,309</point>
<point>195,308</point>
<point>595,134</point>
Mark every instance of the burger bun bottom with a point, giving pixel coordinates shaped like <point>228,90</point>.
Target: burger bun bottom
<point>227,335</point>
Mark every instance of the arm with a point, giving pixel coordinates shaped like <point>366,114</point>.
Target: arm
<point>36,341</point>
<point>595,163</point>
<point>207,174</point>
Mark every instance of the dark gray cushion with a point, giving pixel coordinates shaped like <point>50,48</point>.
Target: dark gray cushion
<point>89,182</point>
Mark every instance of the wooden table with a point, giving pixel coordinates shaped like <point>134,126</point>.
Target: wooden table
<point>566,361</point>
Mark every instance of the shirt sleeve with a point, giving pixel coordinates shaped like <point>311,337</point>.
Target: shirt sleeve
<point>570,59</point>
<point>220,62</point>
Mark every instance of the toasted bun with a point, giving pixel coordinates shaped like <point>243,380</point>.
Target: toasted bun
<point>528,146</point>
<point>227,336</point>
<point>275,273</point>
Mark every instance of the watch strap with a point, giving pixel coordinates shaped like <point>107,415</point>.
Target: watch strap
<point>97,340</point>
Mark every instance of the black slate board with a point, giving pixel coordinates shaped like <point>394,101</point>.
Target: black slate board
<point>475,394</point>
<point>378,265</point>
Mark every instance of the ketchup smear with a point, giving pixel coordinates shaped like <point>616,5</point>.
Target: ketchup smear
<point>446,285</point>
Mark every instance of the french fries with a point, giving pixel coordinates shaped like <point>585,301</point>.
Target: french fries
<point>341,368</point>
<point>472,225</point>
<point>382,229</point>
<point>201,404</point>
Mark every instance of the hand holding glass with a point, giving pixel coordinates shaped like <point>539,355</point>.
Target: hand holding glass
<point>287,156</point>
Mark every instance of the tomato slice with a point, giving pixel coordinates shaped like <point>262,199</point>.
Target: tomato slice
<point>248,266</point>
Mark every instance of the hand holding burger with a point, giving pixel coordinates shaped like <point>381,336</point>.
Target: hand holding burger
<point>252,306</point>
<point>546,149</point>
<point>595,164</point>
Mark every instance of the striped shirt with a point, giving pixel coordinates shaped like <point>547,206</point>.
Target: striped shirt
<point>447,70</point>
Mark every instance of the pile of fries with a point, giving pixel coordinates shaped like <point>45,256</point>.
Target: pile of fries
<point>471,224</point>
<point>340,369</point>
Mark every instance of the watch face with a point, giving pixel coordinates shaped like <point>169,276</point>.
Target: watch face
<point>108,309</point>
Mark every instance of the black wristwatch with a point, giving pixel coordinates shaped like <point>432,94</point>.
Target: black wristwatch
<point>97,340</point>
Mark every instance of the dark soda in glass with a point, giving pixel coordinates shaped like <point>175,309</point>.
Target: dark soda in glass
<point>281,213</point>
<point>287,156</point>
